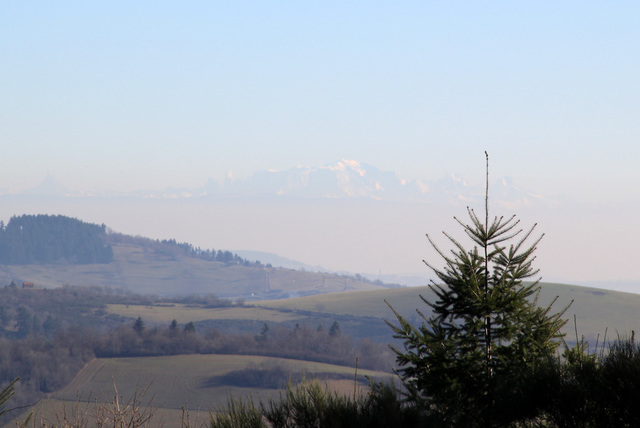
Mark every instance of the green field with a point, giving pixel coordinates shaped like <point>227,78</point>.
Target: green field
<point>596,311</point>
<point>186,380</point>
<point>181,381</point>
<point>363,304</point>
<point>185,313</point>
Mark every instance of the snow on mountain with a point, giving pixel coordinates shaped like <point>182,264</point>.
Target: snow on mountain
<point>512,196</point>
<point>454,190</point>
<point>342,179</point>
<point>338,180</point>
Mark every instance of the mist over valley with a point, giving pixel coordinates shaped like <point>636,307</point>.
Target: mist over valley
<point>353,218</point>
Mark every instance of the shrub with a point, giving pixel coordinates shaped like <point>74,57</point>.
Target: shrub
<point>314,406</point>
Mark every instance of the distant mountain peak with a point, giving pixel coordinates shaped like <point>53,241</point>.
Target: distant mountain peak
<point>340,179</point>
<point>344,164</point>
<point>48,187</point>
<point>455,177</point>
<point>352,179</point>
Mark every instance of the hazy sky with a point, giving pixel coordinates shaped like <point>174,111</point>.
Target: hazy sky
<point>128,95</point>
<point>148,95</point>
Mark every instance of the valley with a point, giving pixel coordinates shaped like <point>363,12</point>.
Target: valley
<point>182,329</point>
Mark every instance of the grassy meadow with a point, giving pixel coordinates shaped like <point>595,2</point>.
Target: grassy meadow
<point>162,270</point>
<point>596,311</point>
<point>184,313</point>
<point>203,383</point>
<point>197,383</point>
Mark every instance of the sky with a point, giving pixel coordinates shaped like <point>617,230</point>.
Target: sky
<point>126,95</point>
<point>151,94</point>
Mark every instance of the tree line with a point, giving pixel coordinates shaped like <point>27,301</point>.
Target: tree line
<point>302,342</point>
<point>48,239</point>
<point>25,312</point>
<point>576,389</point>
<point>223,256</point>
<point>45,364</point>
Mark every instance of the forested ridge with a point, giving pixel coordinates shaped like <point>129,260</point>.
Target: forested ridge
<point>53,251</point>
<point>43,239</point>
<point>170,247</point>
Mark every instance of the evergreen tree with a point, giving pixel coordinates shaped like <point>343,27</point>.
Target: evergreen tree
<point>50,325</point>
<point>189,327</point>
<point>6,394</point>
<point>30,239</point>
<point>471,359</point>
<point>24,322</point>
<point>138,326</point>
<point>174,325</point>
<point>4,317</point>
<point>264,333</point>
<point>36,325</point>
<point>334,330</point>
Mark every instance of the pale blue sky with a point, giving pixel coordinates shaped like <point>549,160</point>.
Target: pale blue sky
<point>129,95</point>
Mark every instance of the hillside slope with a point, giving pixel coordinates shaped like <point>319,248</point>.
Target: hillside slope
<point>196,383</point>
<point>144,266</point>
<point>597,312</point>
<point>362,314</point>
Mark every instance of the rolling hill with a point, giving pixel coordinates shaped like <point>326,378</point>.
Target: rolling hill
<point>362,314</point>
<point>597,312</point>
<point>276,295</point>
<point>264,296</point>
<point>204,382</point>
<point>145,266</point>
<point>196,384</point>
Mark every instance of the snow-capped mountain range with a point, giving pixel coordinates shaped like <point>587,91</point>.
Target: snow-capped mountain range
<point>341,179</point>
<point>338,180</point>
